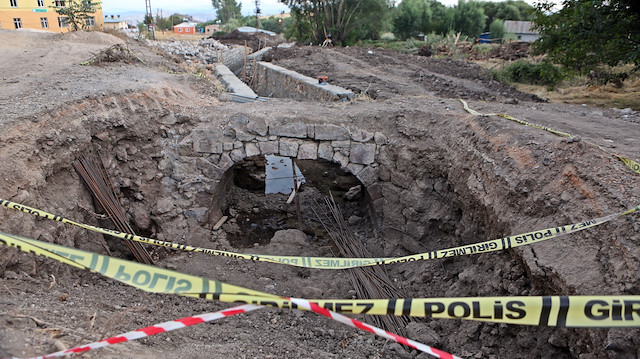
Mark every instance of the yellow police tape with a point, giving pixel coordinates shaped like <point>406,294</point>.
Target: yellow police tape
<point>633,165</point>
<point>560,311</point>
<point>344,263</point>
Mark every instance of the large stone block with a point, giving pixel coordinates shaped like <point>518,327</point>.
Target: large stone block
<point>225,162</point>
<point>341,144</point>
<point>238,154</point>
<point>244,136</point>
<point>363,153</point>
<point>375,191</point>
<point>269,147</point>
<point>354,168</point>
<point>361,135</point>
<point>341,159</point>
<point>331,132</point>
<point>289,147</point>
<point>380,139</point>
<point>368,175</point>
<point>206,145</point>
<point>289,129</point>
<point>251,149</point>
<point>308,151</point>
<point>163,205</point>
<point>258,127</point>
<point>185,167</point>
<point>209,170</point>
<point>325,151</point>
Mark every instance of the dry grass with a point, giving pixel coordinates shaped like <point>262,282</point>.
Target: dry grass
<point>579,90</point>
<point>607,96</point>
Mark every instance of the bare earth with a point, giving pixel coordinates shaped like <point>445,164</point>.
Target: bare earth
<point>450,178</point>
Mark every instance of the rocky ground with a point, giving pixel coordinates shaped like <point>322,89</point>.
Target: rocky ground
<point>445,178</point>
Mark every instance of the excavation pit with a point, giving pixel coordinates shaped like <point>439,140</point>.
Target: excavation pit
<point>435,176</point>
<point>255,215</point>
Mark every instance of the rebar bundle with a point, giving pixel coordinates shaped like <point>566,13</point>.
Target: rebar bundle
<point>369,282</point>
<point>94,175</point>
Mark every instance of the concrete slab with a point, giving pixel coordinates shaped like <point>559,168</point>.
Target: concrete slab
<point>240,92</point>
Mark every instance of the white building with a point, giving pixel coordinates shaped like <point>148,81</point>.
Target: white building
<point>521,29</point>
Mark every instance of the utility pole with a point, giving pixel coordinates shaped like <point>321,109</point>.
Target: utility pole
<point>149,15</point>
<point>258,14</point>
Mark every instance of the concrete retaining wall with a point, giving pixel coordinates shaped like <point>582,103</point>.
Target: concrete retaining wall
<point>276,81</point>
<point>234,58</point>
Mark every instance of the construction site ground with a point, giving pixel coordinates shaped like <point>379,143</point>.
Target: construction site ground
<point>484,177</point>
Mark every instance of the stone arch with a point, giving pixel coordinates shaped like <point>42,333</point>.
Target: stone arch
<point>355,150</point>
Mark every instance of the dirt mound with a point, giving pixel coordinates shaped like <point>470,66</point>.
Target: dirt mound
<point>383,74</point>
<point>511,50</point>
<point>91,37</point>
<point>425,51</point>
<point>254,40</point>
<point>13,38</point>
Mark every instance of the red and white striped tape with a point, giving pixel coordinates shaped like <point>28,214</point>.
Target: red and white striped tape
<point>303,303</point>
<point>155,329</point>
<point>208,317</point>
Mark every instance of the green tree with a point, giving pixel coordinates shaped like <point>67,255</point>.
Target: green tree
<point>336,18</point>
<point>410,18</point>
<point>497,29</point>
<point>77,12</point>
<point>167,23</point>
<point>441,18</point>
<point>468,18</point>
<point>586,33</point>
<point>526,11</point>
<point>506,10</point>
<point>300,28</point>
<point>277,25</point>
<point>227,10</point>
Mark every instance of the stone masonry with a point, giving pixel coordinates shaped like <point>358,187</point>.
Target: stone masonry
<point>276,81</point>
<point>354,149</point>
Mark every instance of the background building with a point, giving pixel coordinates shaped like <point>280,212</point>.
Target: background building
<point>210,29</point>
<point>185,28</point>
<point>521,29</point>
<point>115,22</point>
<point>41,15</point>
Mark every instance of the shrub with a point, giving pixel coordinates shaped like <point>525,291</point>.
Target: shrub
<point>523,71</point>
<point>497,29</point>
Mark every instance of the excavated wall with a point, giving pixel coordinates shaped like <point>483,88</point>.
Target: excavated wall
<point>435,180</point>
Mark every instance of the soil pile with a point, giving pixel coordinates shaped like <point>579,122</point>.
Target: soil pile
<point>254,40</point>
<point>383,74</point>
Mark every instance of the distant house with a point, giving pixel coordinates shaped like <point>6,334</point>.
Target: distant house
<point>185,28</point>
<point>210,29</point>
<point>521,29</point>
<point>114,22</point>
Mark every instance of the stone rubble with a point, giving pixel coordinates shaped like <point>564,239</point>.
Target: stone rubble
<point>205,51</point>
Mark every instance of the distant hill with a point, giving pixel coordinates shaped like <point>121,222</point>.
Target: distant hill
<point>198,13</point>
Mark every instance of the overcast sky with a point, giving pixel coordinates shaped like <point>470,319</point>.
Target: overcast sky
<point>268,7</point>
